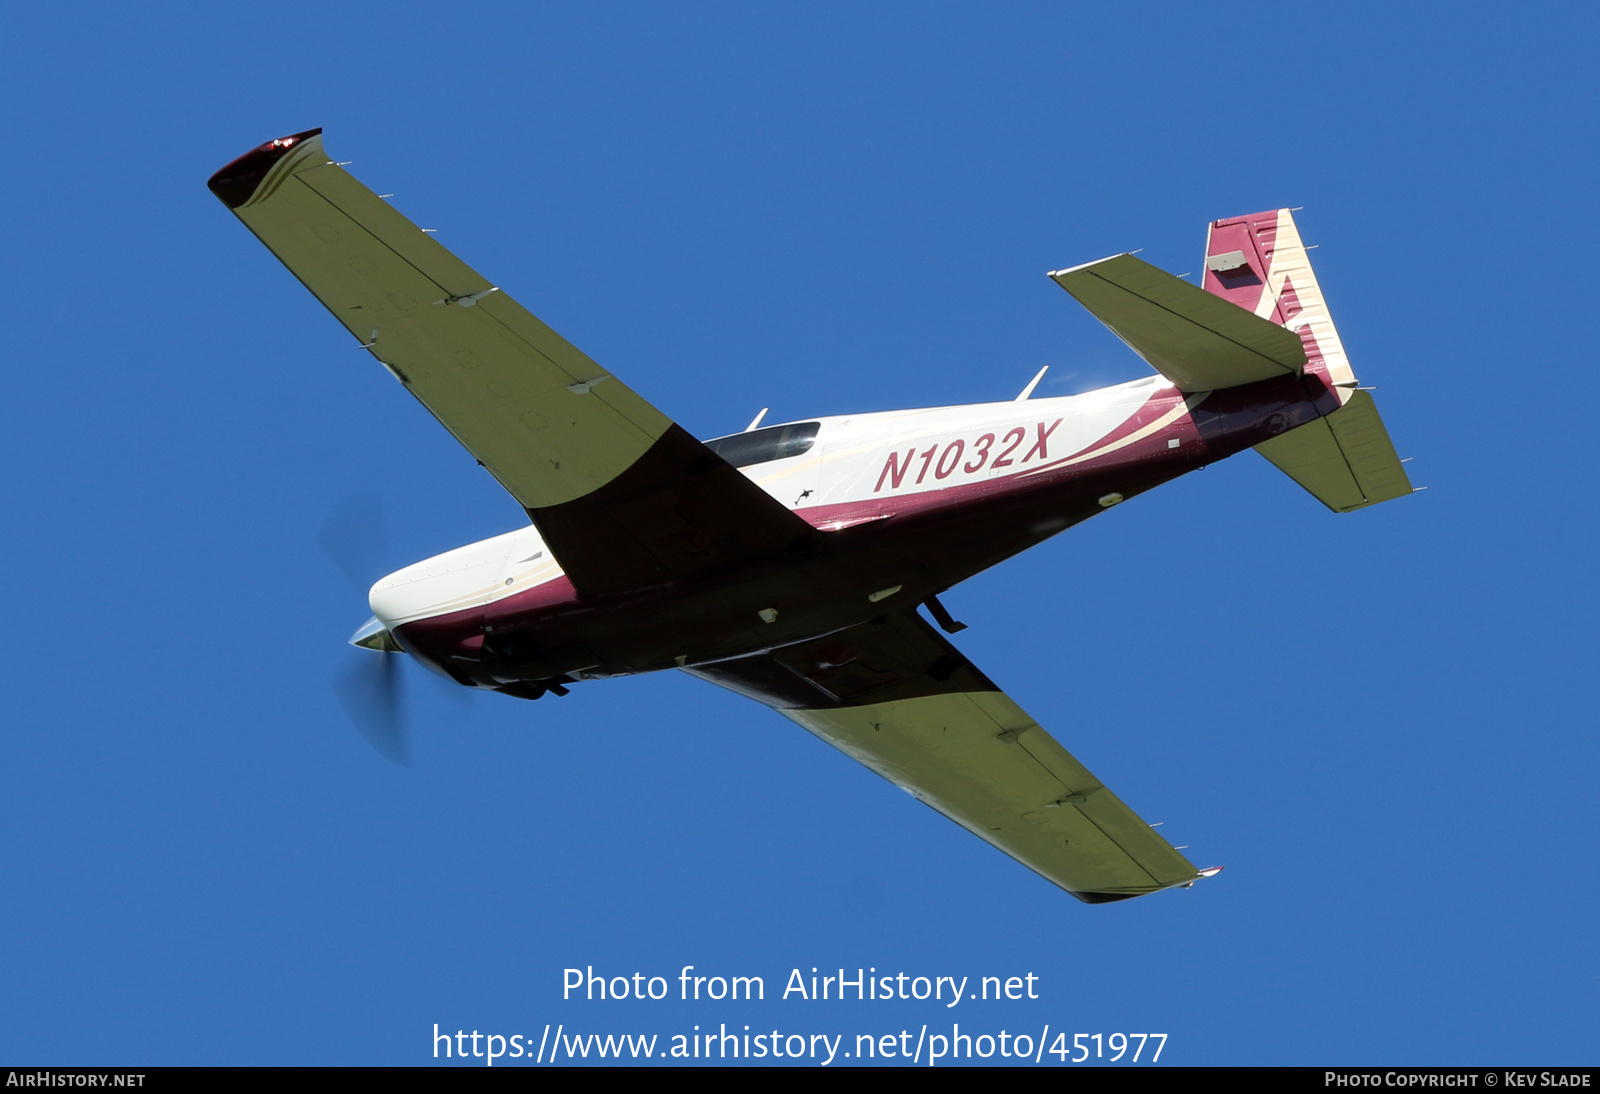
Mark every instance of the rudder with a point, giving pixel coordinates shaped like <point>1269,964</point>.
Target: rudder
<point>1345,459</point>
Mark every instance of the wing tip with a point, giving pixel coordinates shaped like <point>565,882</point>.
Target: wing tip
<point>237,182</point>
<point>1089,897</point>
<point>1103,898</point>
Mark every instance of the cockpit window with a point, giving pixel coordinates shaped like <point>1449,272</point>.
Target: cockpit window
<point>776,442</point>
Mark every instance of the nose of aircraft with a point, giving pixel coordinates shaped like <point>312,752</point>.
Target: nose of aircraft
<point>460,580</point>
<point>373,635</point>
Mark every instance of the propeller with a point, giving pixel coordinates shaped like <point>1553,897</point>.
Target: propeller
<point>353,536</point>
<point>372,691</point>
<point>369,685</point>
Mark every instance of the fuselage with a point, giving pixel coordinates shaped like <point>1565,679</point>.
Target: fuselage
<point>905,504</point>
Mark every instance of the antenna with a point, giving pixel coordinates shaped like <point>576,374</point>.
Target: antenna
<point>757,419</point>
<point>1033,383</point>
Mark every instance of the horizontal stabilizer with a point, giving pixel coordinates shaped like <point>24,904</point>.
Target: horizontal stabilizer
<point>1345,460</point>
<point>1195,339</point>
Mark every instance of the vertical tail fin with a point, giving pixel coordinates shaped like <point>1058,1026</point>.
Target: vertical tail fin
<point>1345,459</point>
<point>1260,263</point>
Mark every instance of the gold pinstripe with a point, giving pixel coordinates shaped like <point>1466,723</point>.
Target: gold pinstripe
<point>1179,410</point>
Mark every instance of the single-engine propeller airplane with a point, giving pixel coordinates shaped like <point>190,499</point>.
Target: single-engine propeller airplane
<point>788,562</point>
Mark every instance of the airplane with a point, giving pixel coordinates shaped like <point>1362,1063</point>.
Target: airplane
<point>788,562</point>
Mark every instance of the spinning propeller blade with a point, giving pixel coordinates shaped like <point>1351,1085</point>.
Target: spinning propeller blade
<point>353,537</point>
<point>368,685</point>
<point>372,692</point>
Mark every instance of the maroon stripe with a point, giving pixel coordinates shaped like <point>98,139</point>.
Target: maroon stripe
<point>236,182</point>
<point>1050,476</point>
<point>1159,403</point>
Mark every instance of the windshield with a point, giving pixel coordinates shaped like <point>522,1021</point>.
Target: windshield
<point>776,442</point>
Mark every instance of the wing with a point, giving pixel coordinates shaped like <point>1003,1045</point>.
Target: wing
<point>897,696</point>
<point>624,497</point>
<point>1197,340</point>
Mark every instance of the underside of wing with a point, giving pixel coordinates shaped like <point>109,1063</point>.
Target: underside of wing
<point>625,498</point>
<point>1197,340</point>
<point>897,696</point>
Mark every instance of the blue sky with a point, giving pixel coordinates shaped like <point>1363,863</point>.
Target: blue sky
<point>1381,723</point>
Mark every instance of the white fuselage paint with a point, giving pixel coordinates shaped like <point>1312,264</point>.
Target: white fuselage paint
<point>859,458</point>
